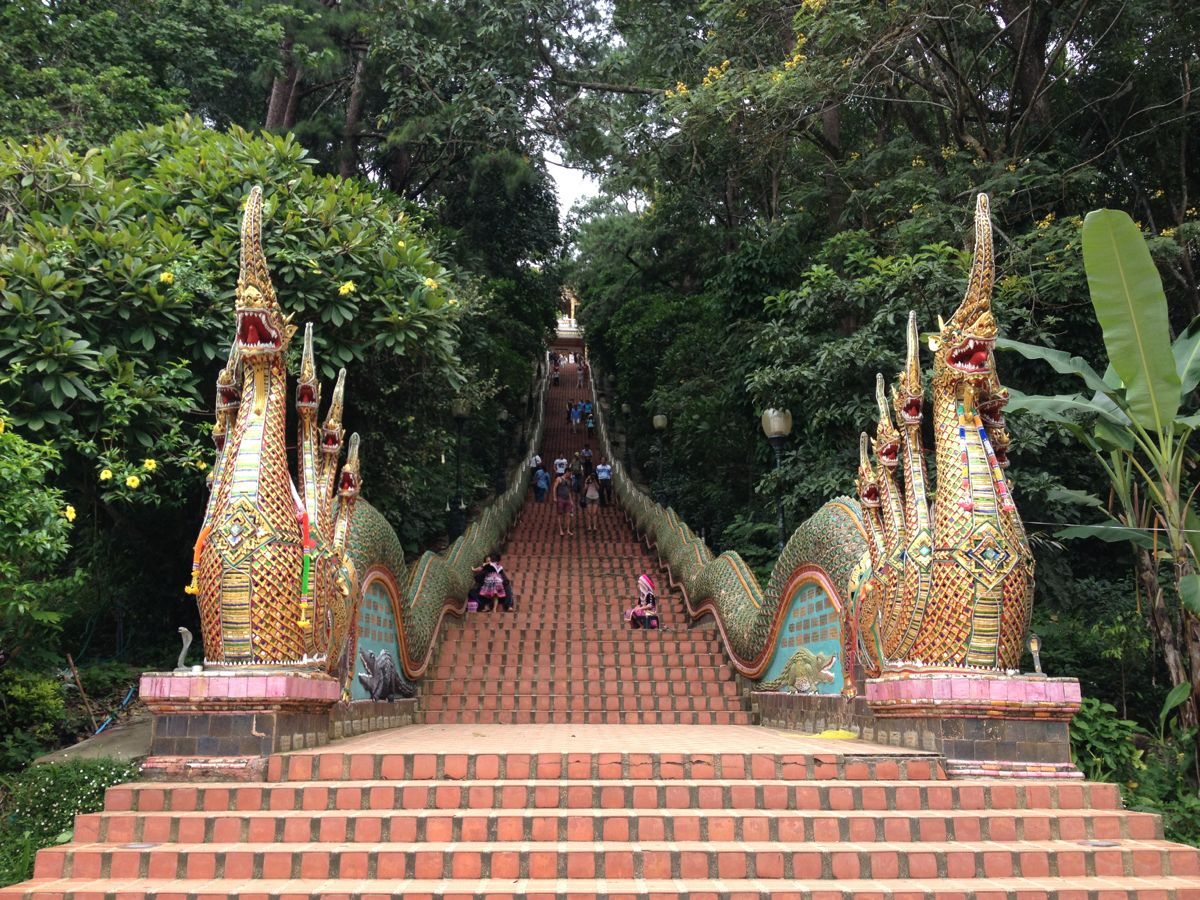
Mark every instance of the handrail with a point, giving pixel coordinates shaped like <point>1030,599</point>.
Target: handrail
<point>438,583</point>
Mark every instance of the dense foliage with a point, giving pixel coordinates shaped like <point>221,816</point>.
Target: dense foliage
<point>38,807</point>
<point>803,177</point>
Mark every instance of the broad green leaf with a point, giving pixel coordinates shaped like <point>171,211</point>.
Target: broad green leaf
<point>1178,694</point>
<point>1080,498</point>
<point>1113,534</point>
<point>1189,593</point>
<point>1059,361</point>
<point>1131,307</point>
<point>1114,436</point>
<point>1187,357</point>
<point>1058,406</point>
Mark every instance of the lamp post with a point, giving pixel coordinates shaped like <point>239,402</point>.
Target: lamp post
<point>660,425</point>
<point>500,482</point>
<point>460,409</point>
<point>777,425</point>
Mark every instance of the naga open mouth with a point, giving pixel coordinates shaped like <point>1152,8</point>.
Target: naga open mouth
<point>330,439</point>
<point>306,396</point>
<point>889,454</point>
<point>1001,456</point>
<point>911,410</point>
<point>870,495</point>
<point>347,483</point>
<point>971,356</point>
<point>228,398</point>
<point>256,334</point>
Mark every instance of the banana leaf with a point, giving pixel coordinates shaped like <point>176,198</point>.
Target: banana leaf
<point>1131,307</point>
<point>1187,357</point>
<point>1059,361</point>
<point>1114,533</point>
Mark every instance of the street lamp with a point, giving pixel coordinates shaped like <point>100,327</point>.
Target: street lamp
<point>460,409</point>
<point>777,425</point>
<point>500,482</point>
<point>660,425</point>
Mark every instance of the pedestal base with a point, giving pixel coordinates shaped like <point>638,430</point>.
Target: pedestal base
<point>224,723</point>
<point>984,724</point>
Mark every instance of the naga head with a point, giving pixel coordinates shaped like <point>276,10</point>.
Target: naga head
<point>868,481</point>
<point>350,481</point>
<point>909,393</point>
<point>308,388</point>
<point>887,438</point>
<point>964,344</point>
<point>229,395</point>
<point>262,330</point>
<point>332,431</point>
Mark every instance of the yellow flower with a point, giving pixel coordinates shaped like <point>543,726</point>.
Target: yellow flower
<point>133,482</point>
<point>776,76</point>
<point>400,245</point>
<point>2,426</point>
<point>452,302</point>
<point>741,14</point>
<point>106,474</point>
<point>680,88</point>
<point>1012,167</point>
<point>669,93</point>
<point>348,287</point>
<point>149,465</point>
<point>431,284</point>
<point>847,62</point>
<point>854,154</point>
<point>918,162</point>
<point>813,5</point>
<point>1045,222</point>
<point>69,513</point>
<point>201,465</point>
<point>915,207</point>
<point>1158,194</point>
<point>166,277</point>
<point>1167,232</point>
<point>947,151</point>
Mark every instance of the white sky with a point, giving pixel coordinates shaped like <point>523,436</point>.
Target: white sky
<point>572,184</point>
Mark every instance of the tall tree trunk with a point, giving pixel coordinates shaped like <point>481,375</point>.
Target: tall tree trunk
<point>282,87</point>
<point>832,132</point>
<point>1163,625</point>
<point>348,167</point>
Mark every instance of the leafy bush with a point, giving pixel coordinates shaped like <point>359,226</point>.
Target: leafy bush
<point>1156,772</point>
<point>35,523</point>
<point>38,808</point>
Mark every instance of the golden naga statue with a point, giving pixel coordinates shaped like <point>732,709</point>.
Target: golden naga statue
<point>951,584</point>
<point>278,565</point>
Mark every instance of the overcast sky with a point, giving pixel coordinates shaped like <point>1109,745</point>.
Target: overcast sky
<point>572,184</point>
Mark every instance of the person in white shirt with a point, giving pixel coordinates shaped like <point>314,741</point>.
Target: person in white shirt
<point>560,465</point>
<point>604,477</point>
<point>535,461</point>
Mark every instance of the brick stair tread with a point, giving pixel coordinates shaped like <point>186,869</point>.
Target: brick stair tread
<point>1085,824</point>
<point>1176,888</point>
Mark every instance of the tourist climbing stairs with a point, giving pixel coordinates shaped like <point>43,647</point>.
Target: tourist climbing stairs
<point>566,653</point>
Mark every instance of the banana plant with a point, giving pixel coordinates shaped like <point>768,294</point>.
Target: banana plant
<point>1135,421</point>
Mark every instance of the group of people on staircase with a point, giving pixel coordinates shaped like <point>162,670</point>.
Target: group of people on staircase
<point>575,483</point>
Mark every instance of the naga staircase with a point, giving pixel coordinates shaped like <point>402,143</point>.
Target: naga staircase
<point>607,788</point>
<point>565,654</point>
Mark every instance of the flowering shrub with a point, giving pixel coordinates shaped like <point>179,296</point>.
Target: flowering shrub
<point>38,807</point>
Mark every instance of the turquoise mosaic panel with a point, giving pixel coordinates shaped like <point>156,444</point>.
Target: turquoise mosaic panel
<point>376,631</point>
<point>813,623</point>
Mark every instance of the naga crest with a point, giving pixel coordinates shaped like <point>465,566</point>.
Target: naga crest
<point>271,572</point>
<point>952,578</point>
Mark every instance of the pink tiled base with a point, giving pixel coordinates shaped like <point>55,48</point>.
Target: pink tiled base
<point>973,694</point>
<point>229,691</point>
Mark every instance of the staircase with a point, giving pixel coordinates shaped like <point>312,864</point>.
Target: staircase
<point>566,654</point>
<point>608,788</point>
<point>382,816</point>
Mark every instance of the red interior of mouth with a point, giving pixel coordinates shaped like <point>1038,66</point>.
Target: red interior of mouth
<point>347,482</point>
<point>1001,455</point>
<point>871,493</point>
<point>889,452</point>
<point>330,439</point>
<point>253,331</point>
<point>306,394</point>
<point>912,408</point>
<point>971,355</point>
